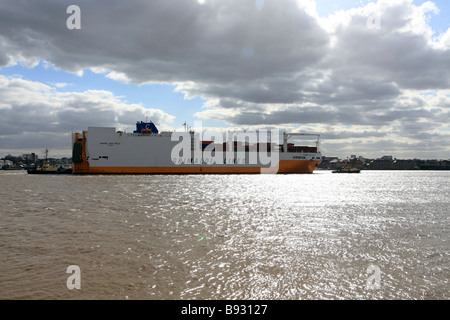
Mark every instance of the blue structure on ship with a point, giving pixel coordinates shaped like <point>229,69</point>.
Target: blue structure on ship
<point>145,127</point>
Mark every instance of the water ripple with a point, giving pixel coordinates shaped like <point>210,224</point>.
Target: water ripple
<point>226,237</point>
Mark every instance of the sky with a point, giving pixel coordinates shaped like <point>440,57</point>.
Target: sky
<point>371,77</point>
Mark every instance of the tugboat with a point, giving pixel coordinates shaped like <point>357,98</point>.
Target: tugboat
<point>347,170</point>
<point>46,168</point>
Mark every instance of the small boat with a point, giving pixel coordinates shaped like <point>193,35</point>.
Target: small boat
<point>50,170</point>
<point>46,168</point>
<point>347,170</point>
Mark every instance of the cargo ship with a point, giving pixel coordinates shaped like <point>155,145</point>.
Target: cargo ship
<point>103,150</point>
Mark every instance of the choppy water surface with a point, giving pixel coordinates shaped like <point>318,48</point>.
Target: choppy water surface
<point>226,236</point>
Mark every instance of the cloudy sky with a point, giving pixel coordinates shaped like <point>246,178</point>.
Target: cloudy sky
<point>371,77</point>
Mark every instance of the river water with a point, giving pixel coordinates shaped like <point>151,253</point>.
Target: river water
<point>373,235</point>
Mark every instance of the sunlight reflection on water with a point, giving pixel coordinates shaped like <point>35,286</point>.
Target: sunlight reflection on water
<point>226,237</point>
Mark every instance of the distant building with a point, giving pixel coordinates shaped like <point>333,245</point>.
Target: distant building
<point>329,162</point>
<point>405,164</point>
<point>30,157</point>
<point>329,158</point>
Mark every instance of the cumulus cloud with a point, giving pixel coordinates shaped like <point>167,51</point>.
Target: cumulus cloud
<point>34,115</point>
<point>273,62</point>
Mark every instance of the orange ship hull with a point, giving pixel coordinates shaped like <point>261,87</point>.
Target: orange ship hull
<point>284,167</point>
